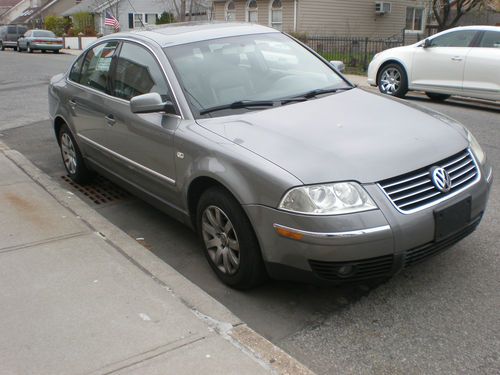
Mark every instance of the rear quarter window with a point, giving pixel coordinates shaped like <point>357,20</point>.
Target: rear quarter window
<point>490,39</point>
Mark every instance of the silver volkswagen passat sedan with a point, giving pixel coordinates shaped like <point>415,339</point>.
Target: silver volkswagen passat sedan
<point>281,165</point>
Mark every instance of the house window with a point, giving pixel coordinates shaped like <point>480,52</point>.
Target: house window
<point>252,11</point>
<point>150,18</point>
<point>414,19</point>
<point>276,14</point>
<point>230,11</point>
<point>138,21</point>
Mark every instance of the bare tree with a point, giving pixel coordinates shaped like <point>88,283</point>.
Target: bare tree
<point>180,7</point>
<point>448,12</point>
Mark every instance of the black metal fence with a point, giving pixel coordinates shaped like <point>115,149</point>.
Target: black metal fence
<point>355,52</point>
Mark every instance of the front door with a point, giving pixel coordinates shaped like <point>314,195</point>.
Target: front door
<point>441,65</point>
<point>143,144</point>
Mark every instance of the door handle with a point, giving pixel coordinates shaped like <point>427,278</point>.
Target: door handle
<point>457,58</point>
<point>110,120</point>
<point>72,103</point>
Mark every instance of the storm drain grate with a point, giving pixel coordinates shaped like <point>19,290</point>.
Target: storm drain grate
<point>100,190</point>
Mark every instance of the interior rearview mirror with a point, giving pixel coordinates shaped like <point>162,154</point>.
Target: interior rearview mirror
<point>148,103</point>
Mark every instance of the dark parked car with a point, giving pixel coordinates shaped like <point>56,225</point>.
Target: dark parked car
<point>281,165</point>
<point>9,34</point>
<point>43,40</point>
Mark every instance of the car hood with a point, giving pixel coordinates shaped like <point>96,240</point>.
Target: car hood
<point>351,135</point>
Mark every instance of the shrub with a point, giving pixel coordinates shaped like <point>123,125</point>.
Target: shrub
<point>58,25</point>
<point>166,17</point>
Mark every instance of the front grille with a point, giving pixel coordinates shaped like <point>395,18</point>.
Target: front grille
<point>415,190</point>
<point>360,270</point>
<point>418,254</point>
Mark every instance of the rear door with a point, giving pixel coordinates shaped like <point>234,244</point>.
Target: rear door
<point>12,34</point>
<point>440,67</point>
<point>482,67</point>
<point>143,143</point>
<point>89,100</point>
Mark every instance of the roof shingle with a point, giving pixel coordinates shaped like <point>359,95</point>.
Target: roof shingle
<point>8,3</point>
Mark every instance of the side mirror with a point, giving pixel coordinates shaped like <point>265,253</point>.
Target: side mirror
<point>427,43</point>
<point>339,65</point>
<point>149,103</point>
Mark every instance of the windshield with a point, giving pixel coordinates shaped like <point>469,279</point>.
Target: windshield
<point>261,67</point>
<point>44,34</point>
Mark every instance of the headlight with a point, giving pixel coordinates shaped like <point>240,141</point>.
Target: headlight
<point>327,199</point>
<point>476,148</point>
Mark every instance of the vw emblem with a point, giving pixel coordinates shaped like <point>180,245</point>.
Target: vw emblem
<point>441,179</point>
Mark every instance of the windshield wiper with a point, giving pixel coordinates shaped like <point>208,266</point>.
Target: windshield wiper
<point>316,92</point>
<point>240,104</point>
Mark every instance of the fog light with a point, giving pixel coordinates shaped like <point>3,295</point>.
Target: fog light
<point>346,270</point>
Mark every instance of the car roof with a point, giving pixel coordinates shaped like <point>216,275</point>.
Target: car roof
<point>476,27</point>
<point>188,32</point>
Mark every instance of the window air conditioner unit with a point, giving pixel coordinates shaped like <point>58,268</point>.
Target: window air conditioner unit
<point>382,7</point>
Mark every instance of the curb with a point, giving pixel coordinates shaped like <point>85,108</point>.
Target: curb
<point>73,52</point>
<point>205,307</point>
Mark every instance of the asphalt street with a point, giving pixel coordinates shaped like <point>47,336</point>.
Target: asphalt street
<point>441,316</point>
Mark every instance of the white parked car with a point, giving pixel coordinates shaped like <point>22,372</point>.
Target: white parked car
<point>461,61</point>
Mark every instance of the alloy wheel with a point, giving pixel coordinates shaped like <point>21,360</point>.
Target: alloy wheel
<point>69,153</point>
<point>220,240</point>
<point>390,81</point>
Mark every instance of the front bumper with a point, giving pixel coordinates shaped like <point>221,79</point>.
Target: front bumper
<point>354,247</point>
<point>372,73</point>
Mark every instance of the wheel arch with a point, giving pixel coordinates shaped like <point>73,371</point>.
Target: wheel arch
<point>392,61</point>
<point>59,121</point>
<point>197,187</point>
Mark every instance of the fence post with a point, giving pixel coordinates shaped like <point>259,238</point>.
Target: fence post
<point>80,41</point>
<point>365,57</point>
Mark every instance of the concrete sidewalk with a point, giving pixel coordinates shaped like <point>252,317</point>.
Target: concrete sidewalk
<point>78,296</point>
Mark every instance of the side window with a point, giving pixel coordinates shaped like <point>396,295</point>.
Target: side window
<point>11,30</point>
<point>21,30</point>
<point>461,38</point>
<point>137,72</point>
<point>490,39</point>
<point>76,69</point>
<point>96,66</point>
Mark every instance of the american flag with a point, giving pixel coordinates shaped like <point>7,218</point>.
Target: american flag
<point>111,21</point>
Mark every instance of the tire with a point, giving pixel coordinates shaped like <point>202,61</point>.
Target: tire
<point>437,97</point>
<point>14,48</point>
<point>28,48</point>
<point>229,242</point>
<point>56,51</point>
<point>393,80</point>
<point>2,47</point>
<point>72,157</point>
<point>43,51</point>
